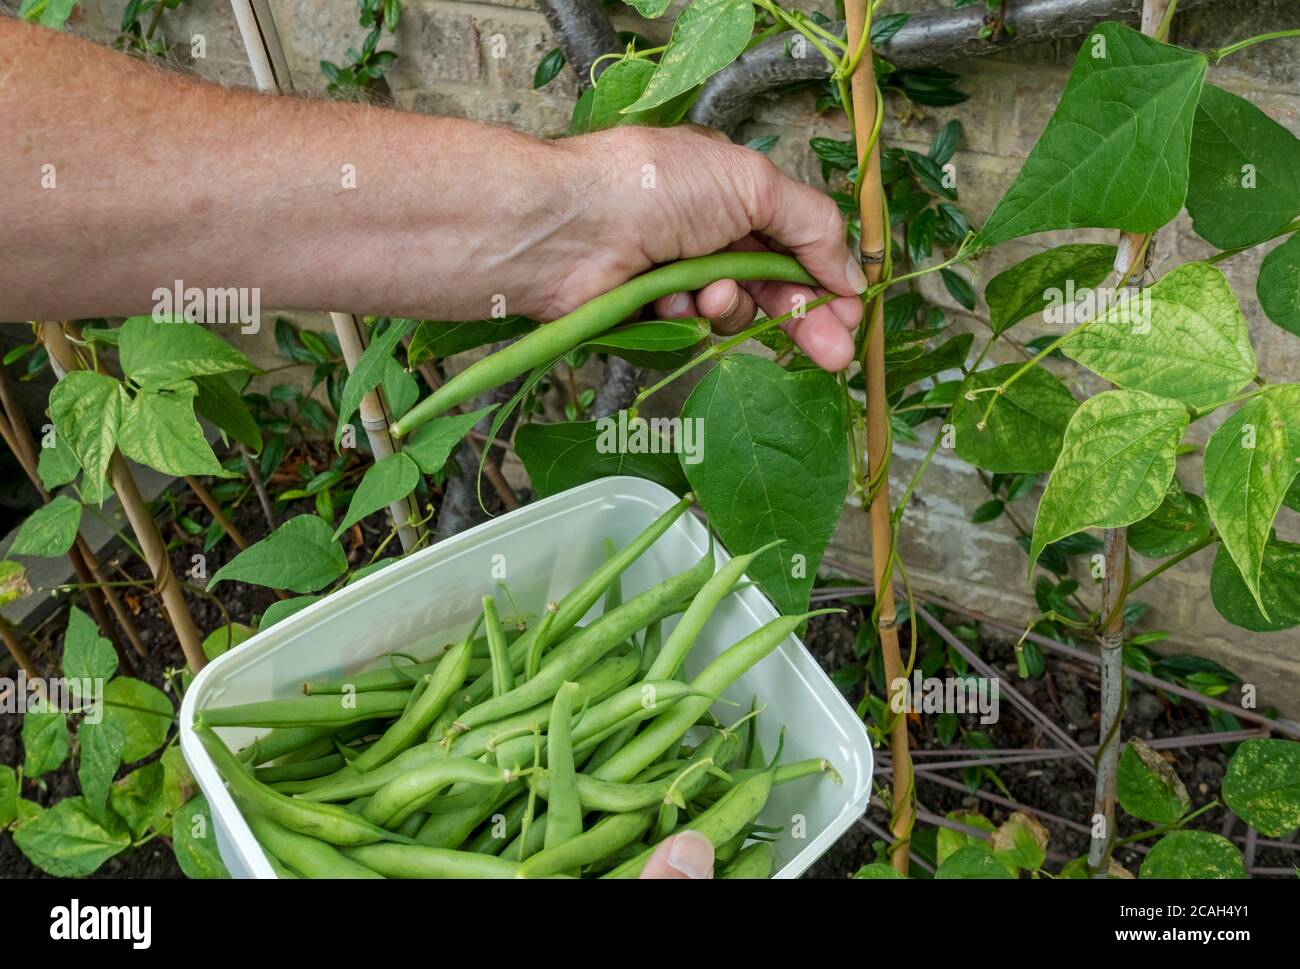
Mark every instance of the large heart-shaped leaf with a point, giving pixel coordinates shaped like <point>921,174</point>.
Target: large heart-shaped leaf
<point>86,408</point>
<point>1250,462</point>
<point>1024,429</point>
<point>140,713</point>
<point>775,466</point>
<point>194,841</point>
<point>1047,279</point>
<point>86,654</point>
<point>386,481</point>
<point>67,841</point>
<point>1262,785</point>
<point>49,530</point>
<point>707,36</point>
<point>1184,338</point>
<point>301,556</point>
<point>1193,854</point>
<point>1116,463</point>
<point>1278,285</point>
<point>1279,588</point>
<point>157,354</point>
<point>1245,172</point>
<point>159,430</point>
<point>564,455</point>
<point>1114,154</point>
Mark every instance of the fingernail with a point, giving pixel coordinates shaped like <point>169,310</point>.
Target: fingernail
<point>732,306</point>
<point>679,303</point>
<point>692,855</point>
<point>857,278</point>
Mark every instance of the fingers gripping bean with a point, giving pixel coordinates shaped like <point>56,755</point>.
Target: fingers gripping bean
<point>397,799</point>
<point>311,711</point>
<point>584,648</point>
<point>443,683</point>
<point>563,805</point>
<point>669,727</point>
<point>420,861</point>
<point>323,821</point>
<point>310,856</point>
<point>573,606</point>
<point>555,339</point>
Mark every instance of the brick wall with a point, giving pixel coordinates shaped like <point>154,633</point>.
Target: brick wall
<point>476,60</point>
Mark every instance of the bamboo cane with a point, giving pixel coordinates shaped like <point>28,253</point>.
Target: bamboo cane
<point>137,513</point>
<point>872,245</point>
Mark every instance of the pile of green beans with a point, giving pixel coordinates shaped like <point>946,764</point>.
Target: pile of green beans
<point>573,753</point>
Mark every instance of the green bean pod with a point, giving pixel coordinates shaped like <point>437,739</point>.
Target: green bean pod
<point>309,856</point>
<point>302,770</point>
<point>723,821</point>
<point>669,727</point>
<point>282,742</point>
<point>324,821</point>
<point>541,640</point>
<point>500,829</point>
<point>397,676</point>
<point>443,683</point>
<point>546,343</point>
<point>450,829</point>
<point>563,805</point>
<point>421,861</point>
<point>581,650</point>
<point>607,835</point>
<point>503,675</point>
<point>400,797</point>
<point>575,604</point>
<point>310,711</point>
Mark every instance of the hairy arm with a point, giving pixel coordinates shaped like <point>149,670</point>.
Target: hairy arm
<point>122,177</point>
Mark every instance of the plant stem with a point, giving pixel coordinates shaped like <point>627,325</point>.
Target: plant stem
<point>1223,52</point>
<point>874,248</point>
<point>13,644</point>
<point>1229,253</point>
<point>215,511</point>
<point>142,523</point>
<point>259,486</point>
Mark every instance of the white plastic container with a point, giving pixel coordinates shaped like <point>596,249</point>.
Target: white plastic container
<point>433,596</point>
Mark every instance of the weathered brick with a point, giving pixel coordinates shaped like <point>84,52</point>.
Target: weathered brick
<point>436,44</point>
<point>530,112</point>
<point>511,51</point>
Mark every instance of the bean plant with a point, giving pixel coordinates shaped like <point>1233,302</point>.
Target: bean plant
<point>1139,135</point>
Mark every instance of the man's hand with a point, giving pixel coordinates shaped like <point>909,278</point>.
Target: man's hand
<point>122,178</point>
<point>685,855</point>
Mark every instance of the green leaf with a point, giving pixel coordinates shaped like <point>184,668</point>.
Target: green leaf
<point>100,747</point>
<point>1183,338</point>
<point>1180,522</point>
<point>140,799</point>
<point>1116,463</point>
<point>621,85</point>
<point>657,344</point>
<point>1046,279</point>
<point>946,142</point>
<point>68,842</point>
<point>650,9</point>
<point>50,530</point>
<point>159,430</point>
<point>159,354</point>
<point>284,609</point>
<point>194,840</point>
<point>13,582</point>
<point>1020,843</point>
<point>988,511</point>
<point>958,288</point>
<point>141,713</point>
<point>86,654</point>
<point>368,372</point>
<point>432,443</point>
<point>386,481</point>
<point>1192,854</point>
<point>48,13</point>
<point>877,870</point>
<point>1245,172</point>
<point>1026,426</point>
<point>1279,588</point>
<point>1147,786</point>
<point>8,796</point>
<point>949,841</point>
<point>561,456</point>
<point>225,638</point>
<point>219,402</point>
<point>1278,285</point>
<point>401,389</point>
<point>1250,462</point>
<point>45,740</point>
<point>774,467</point>
<point>433,340</point>
<point>550,65</point>
<point>1262,785</point>
<point>1114,154</point>
<point>86,408</point>
<point>950,355</point>
<point>707,36</point>
<point>301,556</point>
<point>973,861</point>
<point>57,465</point>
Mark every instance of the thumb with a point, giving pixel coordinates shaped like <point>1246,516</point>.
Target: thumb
<point>685,855</point>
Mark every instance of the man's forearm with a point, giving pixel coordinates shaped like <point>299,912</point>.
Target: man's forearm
<point>122,178</point>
